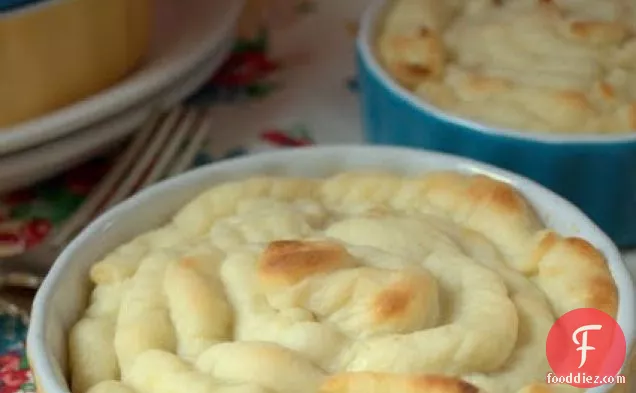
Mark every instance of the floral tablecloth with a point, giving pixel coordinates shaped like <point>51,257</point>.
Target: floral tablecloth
<point>290,83</point>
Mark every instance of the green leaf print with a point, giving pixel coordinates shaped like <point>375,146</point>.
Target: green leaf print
<point>258,44</point>
<point>24,363</point>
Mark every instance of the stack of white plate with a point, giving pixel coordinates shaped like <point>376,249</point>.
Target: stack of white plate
<point>192,39</point>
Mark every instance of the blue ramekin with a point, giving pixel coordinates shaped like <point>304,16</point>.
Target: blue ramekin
<point>595,172</point>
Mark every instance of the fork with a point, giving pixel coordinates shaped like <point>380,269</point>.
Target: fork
<point>165,146</point>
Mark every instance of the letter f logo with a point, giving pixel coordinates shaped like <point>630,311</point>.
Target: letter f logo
<point>583,343</point>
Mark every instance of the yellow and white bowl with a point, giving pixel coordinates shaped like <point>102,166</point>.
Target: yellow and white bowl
<point>185,35</point>
<point>56,52</point>
<point>191,39</point>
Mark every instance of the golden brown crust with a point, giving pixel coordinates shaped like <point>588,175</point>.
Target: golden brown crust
<point>392,302</point>
<point>287,262</point>
<point>574,274</point>
<point>607,90</point>
<point>415,293</point>
<point>389,383</point>
<point>598,32</point>
<point>416,57</point>
<point>575,100</point>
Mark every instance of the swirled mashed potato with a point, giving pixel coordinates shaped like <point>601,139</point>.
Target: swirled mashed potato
<point>359,283</point>
<point>539,65</point>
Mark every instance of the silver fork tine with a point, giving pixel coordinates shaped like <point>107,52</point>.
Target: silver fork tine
<point>200,137</point>
<point>185,127</point>
<point>163,146</point>
<point>143,164</point>
<point>100,193</point>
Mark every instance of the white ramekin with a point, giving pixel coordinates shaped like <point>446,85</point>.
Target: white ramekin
<point>62,297</point>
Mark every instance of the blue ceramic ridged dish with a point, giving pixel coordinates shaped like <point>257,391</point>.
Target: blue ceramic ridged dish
<point>595,172</point>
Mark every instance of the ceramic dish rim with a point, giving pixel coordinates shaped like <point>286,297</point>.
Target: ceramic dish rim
<point>83,113</point>
<point>134,115</point>
<point>364,43</point>
<point>236,167</point>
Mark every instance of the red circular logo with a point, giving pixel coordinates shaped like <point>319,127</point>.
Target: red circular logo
<point>585,348</point>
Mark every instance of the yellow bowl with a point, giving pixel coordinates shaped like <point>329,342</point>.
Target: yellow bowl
<point>57,52</point>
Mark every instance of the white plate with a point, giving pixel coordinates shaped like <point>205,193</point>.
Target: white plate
<point>187,31</point>
<point>24,168</point>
